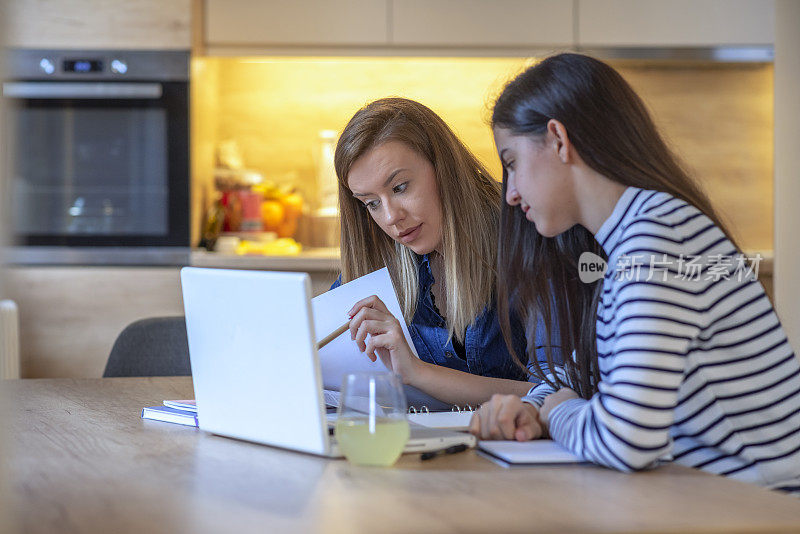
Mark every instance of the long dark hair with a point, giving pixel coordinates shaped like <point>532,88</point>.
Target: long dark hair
<point>611,130</point>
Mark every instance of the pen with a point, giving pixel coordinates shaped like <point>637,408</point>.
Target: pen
<point>449,450</point>
<point>333,335</point>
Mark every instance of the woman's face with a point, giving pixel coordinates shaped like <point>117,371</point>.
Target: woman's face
<point>398,189</point>
<point>537,181</point>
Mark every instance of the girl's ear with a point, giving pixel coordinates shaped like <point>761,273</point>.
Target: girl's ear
<point>558,134</point>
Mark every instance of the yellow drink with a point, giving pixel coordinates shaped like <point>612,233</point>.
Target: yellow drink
<point>378,444</point>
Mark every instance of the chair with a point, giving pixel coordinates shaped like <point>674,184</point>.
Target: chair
<point>156,346</point>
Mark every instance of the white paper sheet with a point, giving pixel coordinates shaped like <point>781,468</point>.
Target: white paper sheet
<point>341,356</point>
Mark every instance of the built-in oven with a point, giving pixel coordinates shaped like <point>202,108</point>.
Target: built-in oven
<point>99,156</point>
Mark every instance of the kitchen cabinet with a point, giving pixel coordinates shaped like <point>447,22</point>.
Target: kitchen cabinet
<point>120,24</point>
<point>482,23</point>
<point>505,26</point>
<point>304,22</point>
<point>676,23</point>
<point>387,23</point>
<point>71,316</point>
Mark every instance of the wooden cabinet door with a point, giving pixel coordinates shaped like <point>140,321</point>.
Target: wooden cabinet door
<point>124,24</point>
<point>646,23</point>
<point>301,22</point>
<point>482,22</point>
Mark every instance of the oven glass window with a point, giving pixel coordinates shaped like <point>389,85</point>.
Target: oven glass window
<point>91,170</point>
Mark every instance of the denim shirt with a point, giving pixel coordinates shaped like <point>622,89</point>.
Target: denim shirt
<point>486,351</point>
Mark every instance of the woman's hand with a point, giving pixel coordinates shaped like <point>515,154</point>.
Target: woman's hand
<point>386,340</point>
<point>553,400</point>
<point>506,417</point>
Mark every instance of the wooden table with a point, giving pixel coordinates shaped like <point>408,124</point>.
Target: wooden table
<point>83,461</point>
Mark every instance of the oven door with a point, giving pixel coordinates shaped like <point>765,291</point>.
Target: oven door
<point>99,164</point>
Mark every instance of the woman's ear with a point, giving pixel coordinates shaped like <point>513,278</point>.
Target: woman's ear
<point>558,134</point>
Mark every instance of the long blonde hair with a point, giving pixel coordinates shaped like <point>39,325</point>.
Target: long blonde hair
<point>470,200</point>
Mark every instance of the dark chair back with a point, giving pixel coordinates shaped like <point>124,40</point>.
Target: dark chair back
<point>156,346</point>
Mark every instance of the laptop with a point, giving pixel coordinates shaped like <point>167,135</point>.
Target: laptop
<point>256,372</point>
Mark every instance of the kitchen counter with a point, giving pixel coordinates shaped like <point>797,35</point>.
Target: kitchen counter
<point>310,260</point>
<point>327,259</point>
<point>321,264</point>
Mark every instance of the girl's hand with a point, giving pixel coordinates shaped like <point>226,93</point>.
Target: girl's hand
<point>506,417</point>
<point>553,400</point>
<point>386,340</point>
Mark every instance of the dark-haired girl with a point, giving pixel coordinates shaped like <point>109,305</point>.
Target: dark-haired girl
<point>677,352</point>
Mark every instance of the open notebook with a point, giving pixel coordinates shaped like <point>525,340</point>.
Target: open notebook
<point>441,416</point>
<point>451,420</point>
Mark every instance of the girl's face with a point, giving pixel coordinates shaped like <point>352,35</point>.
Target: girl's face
<point>538,180</point>
<point>398,189</point>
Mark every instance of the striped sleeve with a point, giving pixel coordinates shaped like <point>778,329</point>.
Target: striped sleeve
<point>626,424</point>
<point>537,394</point>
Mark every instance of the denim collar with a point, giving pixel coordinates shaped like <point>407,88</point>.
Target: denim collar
<point>425,274</point>
<point>426,280</point>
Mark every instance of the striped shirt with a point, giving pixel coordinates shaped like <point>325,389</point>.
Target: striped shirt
<point>694,364</point>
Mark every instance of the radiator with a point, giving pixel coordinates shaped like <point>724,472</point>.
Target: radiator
<point>9,339</point>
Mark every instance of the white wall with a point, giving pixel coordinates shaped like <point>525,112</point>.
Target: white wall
<point>787,166</point>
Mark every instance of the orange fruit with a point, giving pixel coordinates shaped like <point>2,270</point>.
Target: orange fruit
<point>293,205</point>
<point>272,214</point>
<point>287,228</point>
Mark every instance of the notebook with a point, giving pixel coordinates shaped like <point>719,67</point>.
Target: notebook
<point>526,453</point>
<point>437,415</point>
<point>168,414</point>
<point>189,405</point>
<point>450,420</point>
<point>456,421</point>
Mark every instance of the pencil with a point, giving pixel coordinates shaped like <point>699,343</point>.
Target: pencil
<point>333,335</point>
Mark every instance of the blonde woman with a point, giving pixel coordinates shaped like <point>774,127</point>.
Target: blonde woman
<point>414,199</point>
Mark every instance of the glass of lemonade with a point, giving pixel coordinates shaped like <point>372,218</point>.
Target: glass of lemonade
<point>371,426</point>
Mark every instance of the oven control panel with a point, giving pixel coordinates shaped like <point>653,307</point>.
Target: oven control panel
<point>90,65</point>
